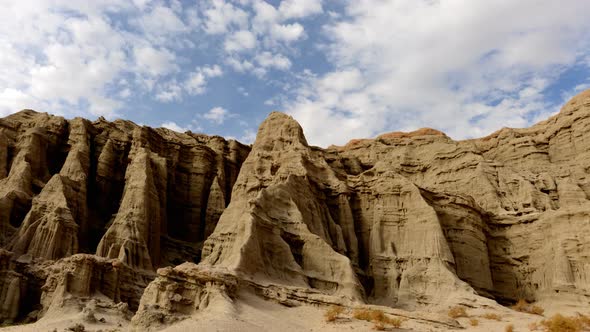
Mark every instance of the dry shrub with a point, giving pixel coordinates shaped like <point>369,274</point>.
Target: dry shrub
<point>333,312</point>
<point>560,323</point>
<point>584,320</point>
<point>537,310</point>
<point>379,326</point>
<point>377,317</point>
<point>509,328</point>
<point>523,306</point>
<point>457,311</point>
<point>534,326</point>
<point>395,322</point>
<point>473,322</point>
<point>363,314</point>
<point>492,316</point>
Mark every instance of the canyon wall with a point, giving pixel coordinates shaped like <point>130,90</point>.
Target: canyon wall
<point>403,220</point>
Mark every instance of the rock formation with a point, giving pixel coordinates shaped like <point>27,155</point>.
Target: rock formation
<point>142,198</point>
<point>167,223</point>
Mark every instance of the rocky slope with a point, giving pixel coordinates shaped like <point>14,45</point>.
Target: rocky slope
<point>405,220</point>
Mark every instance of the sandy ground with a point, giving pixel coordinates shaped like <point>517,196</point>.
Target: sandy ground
<point>254,314</point>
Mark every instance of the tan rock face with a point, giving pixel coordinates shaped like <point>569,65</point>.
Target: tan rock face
<point>137,195</point>
<point>404,220</point>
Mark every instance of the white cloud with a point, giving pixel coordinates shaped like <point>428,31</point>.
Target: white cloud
<point>170,92</point>
<point>450,64</point>
<point>154,61</point>
<point>220,16</point>
<point>217,115</point>
<point>161,22</point>
<point>248,136</point>
<point>173,126</point>
<point>197,80</point>
<point>71,56</point>
<point>300,8</point>
<point>214,71</point>
<point>240,41</point>
<point>287,32</point>
<point>277,61</point>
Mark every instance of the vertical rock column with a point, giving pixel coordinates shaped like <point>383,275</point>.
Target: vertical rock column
<point>51,228</point>
<point>134,236</point>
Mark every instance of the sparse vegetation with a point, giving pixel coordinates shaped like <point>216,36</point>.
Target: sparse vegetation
<point>333,312</point>
<point>509,328</point>
<point>492,316</point>
<point>457,311</point>
<point>560,323</point>
<point>537,310</point>
<point>377,317</point>
<point>523,306</point>
<point>379,326</point>
<point>473,322</point>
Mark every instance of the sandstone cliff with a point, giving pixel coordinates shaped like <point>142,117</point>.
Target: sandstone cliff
<point>145,197</point>
<point>404,220</point>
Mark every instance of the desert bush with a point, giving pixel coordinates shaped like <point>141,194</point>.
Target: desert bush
<point>473,322</point>
<point>584,320</point>
<point>377,317</point>
<point>537,310</point>
<point>457,311</point>
<point>509,328</point>
<point>560,323</point>
<point>379,326</point>
<point>363,314</point>
<point>523,306</point>
<point>333,312</point>
<point>492,316</point>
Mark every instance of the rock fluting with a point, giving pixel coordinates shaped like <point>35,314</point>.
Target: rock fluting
<point>142,197</point>
<point>401,220</point>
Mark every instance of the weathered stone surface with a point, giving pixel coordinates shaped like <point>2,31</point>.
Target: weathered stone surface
<point>403,220</point>
<point>180,292</point>
<point>122,191</point>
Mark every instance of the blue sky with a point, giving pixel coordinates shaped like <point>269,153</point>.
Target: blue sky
<point>343,69</point>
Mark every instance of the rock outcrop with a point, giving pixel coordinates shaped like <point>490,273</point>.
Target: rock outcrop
<point>139,197</point>
<point>403,220</point>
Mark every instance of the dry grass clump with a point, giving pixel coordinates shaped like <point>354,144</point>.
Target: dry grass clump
<point>379,326</point>
<point>523,306</point>
<point>333,312</point>
<point>537,310</point>
<point>457,311</point>
<point>492,316</point>
<point>560,323</point>
<point>473,322</point>
<point>377,317</point>
<point>509,328</point>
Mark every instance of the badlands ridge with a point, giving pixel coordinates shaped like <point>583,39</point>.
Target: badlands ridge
<point>122,227</point>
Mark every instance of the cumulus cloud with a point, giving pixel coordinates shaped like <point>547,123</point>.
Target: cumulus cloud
<point>269,60</point>
<point>70,56</point>
<point>467,68</point>
<point>240,41</point>
<point>221,15</point>
<point>197,80</point>
<point>300,8</point>
<point>217,115</point>
<point>173,126</point>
